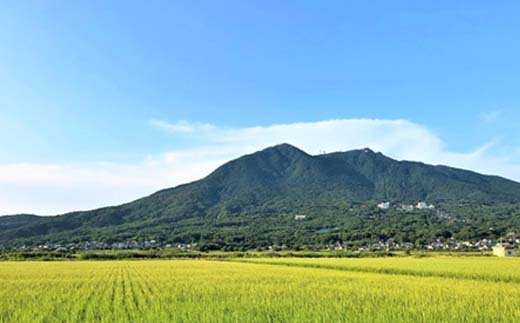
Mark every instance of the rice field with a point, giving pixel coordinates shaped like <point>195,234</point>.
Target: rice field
<point>478,268</point>
<point>263,290</point>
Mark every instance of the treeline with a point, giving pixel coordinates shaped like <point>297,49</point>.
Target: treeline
<point>218,255</point>
<point>167,254</point>
<point>324,225</point>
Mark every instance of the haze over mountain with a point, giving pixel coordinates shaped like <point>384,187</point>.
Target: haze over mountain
<point>256,195</point>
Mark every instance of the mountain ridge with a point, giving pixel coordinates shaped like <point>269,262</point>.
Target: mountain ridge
<point>273,182</point>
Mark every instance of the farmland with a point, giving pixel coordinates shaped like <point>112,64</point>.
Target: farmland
<point>441,289</point>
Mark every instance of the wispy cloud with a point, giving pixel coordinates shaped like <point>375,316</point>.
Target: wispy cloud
<point>181,126</point>
<point>52,189</point>
<point>490,116</point>
<point>398,136</point>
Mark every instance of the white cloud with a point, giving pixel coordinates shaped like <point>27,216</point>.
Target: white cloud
<point>52,189</point>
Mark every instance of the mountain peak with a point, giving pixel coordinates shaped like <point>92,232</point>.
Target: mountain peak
<point>285,149</point>
<point>261,190</point>
<point>285,146</point>
<point>367,152</point>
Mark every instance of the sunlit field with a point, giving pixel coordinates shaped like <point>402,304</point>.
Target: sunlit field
<point>478,268</point>
<point>289,290</point>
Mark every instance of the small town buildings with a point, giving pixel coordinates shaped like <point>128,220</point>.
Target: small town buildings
<point>502,250</point>
<point>424,206</point>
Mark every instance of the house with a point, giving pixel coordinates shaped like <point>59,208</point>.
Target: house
<point>338,246</point>
<point>421,206</point>
<point>300,217</point>
<point>502,250</point>
<point>384,205</point>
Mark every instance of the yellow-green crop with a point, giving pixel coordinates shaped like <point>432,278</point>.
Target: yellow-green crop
<point>212,291</point>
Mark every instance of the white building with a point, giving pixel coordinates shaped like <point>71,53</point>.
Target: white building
<point>384,205</point>
<point>300,217</point>
<point>421,206</point>
<point>502,250</point>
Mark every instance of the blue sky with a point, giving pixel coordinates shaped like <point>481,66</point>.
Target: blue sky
<point>101,88</point>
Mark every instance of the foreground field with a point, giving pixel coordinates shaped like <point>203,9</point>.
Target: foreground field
<point>340,290</point>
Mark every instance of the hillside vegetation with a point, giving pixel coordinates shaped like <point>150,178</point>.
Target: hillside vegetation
<point>251,202</point>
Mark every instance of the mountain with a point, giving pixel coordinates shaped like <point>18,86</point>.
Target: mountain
<point>252,201</point>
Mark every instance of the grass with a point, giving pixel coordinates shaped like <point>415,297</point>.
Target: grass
<point>283,290</point>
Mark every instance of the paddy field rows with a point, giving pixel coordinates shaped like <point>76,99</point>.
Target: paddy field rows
<point>263,290</point>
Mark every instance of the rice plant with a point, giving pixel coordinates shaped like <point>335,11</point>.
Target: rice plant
<point>218,291</point>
